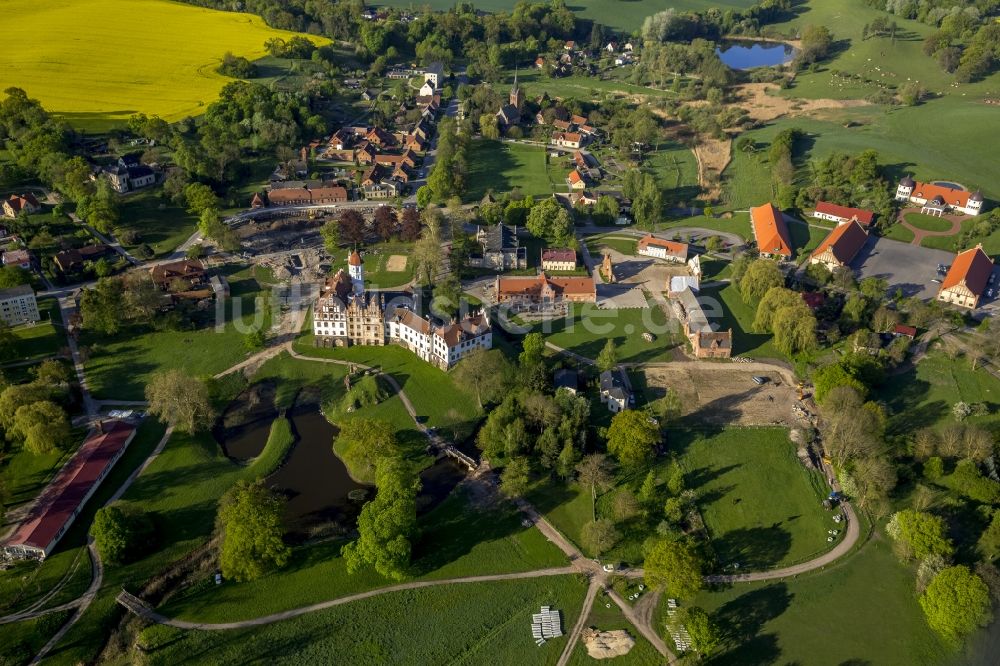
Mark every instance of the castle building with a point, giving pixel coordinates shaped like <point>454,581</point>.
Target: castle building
<point>346,315</point>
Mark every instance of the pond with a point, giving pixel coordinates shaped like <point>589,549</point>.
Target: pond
<point>747,54</point>
<point>315,482</point>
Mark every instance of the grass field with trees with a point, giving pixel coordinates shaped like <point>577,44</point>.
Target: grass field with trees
<point>502,167</point>
<point>69,68</point>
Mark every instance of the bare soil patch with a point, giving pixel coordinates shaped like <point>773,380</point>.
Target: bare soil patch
<point>726,394</point>
<point>757,100</point>
<point>713,157</point>
<point>396,263</point>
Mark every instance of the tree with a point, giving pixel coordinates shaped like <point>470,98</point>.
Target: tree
<point>386,523</point>
<point>956,603</point>
<point>101,306</point>
<point>50,372</point>
<point>249,524</point>
<point>760,276</point>
<point>706,634</point>
<point>631,438</point>
<point>599,536</point>
<point>549,220</point>
<point>794,328</point>
<point>988,545</point>
<point>514,479</point>
<point>647,491</point>
<point>594,471</point>
<point>352,227</point>
<point>411,225</point>
<point>12,276</point>
<point>489,127</point>
<point>920,534</point>
<point>330,231</point>
<point>668,407</point>
<point>815,44</point>
<point>361,442</point>
<point>486,373</point>
<point>200,197</point>
<point>385,222</point>
<point>120,535</point>
<point>674,567</point>
<point>607,359</point>
<point>179,400</point>
<point>42,426</point>
<point>831,376</point>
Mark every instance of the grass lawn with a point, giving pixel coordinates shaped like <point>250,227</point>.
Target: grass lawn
<point>157,222</point>
<point>27,582</point>
<point>738,224</point>
<point>623,244</point>
<point>436,398</point>
<point>676,170</point>
<point>25,474</point>
<point>119,366</point>
<point>715,269</point>
<point>375,259</point>
<point>805,238</point>
<point>862,610</point>
<point>746,181</point>
<point>991,243</point>
<point>761,507</point>
<point>476,623</point>
<point>928,222</point>
<point>455,541</point>
<point>900,233</point>
<point>412,443</point>
<point>588,328</point>
<point>20,641</point>
<point>609,83</point>
<point>923,395</point>
<point>726,309</point>
<point>69,65</point>
<point>609,619</point>
<point>41,339</point>
<point>501,167</point>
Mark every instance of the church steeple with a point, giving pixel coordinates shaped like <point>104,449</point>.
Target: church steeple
<point>516,96</point>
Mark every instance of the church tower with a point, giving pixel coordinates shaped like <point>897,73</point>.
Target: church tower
<point>356,269</point>
<point>516,94</point>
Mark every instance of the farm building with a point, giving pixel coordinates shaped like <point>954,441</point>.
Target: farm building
<point>840,246</point>
<point>770,231</point>
<point>543,290</point>
<point>558,259</point>
<point>967,278</point>
<point>842,214</point>
<point>651,246</point>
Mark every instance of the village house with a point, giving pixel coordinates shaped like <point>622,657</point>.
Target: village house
<point>559,259</point>
<point>73,260</point>
<point>938,199</point>
<point>48,520</point>
<point>576,180</point>
<point>904,331</point>
<point>129,174</point>
<point>562,125</point>
<point>651,246</point>
<point>434,74</point>
<point>566,139</point>
<point>386,189</point>
<point>540,64</point>
<point>770,232</point>
<point>614,393</point>
<point>967,279</point>
<point>313,193</point>
<point>15,204</point>
<point>178,276</point>
<point>500,249</point>
<point>705,341</point>
<point>584,198</point>
<point>19,258</point>
<point>525,292</point>
<point>18,305</point>
<point>426,90</point>
<point>840,246</point>
<point>842,214</point>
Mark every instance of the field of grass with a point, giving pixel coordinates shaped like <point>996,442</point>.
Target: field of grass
<point>96,62</point>
<point>676,169</point>
<point>622,16</point>
<point>924,394</point>
<point>725,308</point>
<point>609,619</point>
<point>863,610</point>
<point>39,340</point>
<point>761,507</point>
<point>24,474</point>
<point>476,623</point>
<point>991,243</point>
<point>576,86</point>
<point>375,258</point>
<point>588,328</point>
<point>624,244</point>
<point>898,232</point>
<point>20,641</point>
<point>120,366</point>
<point>156,222</point>
<point>436,398</point>
<point>928,222</point>
<point>746,182</point>
<point>805,239</point>
<point>26,582</point>
<point>501,167</point>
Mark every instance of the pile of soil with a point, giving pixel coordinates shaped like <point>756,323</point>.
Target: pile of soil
<point>607,644</point>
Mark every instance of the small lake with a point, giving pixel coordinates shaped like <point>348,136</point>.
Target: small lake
<point>747,54</point>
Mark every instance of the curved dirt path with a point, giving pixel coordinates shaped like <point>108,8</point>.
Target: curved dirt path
<point>920,234</point>
<point>153,616</point>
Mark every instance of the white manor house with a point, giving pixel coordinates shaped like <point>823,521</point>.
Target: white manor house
<point>345,315</point>
<point>939,198</point>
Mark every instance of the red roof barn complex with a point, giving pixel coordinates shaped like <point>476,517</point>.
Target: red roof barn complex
<point>967,278</point>
<point>60,503</point>
<point>771,232</point>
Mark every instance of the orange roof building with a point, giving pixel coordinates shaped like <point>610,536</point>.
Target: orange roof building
<point>939,198</point>
<point>770,231</point>
<point>544,290</point>
<point>651,246</point>
<point>841,245</point>
<point>967,278</point>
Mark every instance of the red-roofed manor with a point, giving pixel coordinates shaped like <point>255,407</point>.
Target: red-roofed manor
<point>62,500</point>
<point>841,245</point>
<point>543,290</point>
<point>939,198</point>
<point>770,231</point>
<point>967,278</point>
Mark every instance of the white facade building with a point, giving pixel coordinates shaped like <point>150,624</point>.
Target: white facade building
<point>18,305</point>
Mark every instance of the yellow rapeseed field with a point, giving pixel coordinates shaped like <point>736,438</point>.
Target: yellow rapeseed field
<point>96,62</point>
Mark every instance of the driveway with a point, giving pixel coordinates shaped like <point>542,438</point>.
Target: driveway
<point>904,266</point>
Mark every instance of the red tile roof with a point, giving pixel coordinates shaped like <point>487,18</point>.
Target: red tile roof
<point>844,242</point>
<point>575,177</point>
<point>61,499</point>
<point>971,268</point>
<point>863,216</point>
<point>559,254</point>
<point>679,249</point>
<point>908,331</point>
<point>951,196</point>
<point>532,286</point>
<point>770,230</point>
